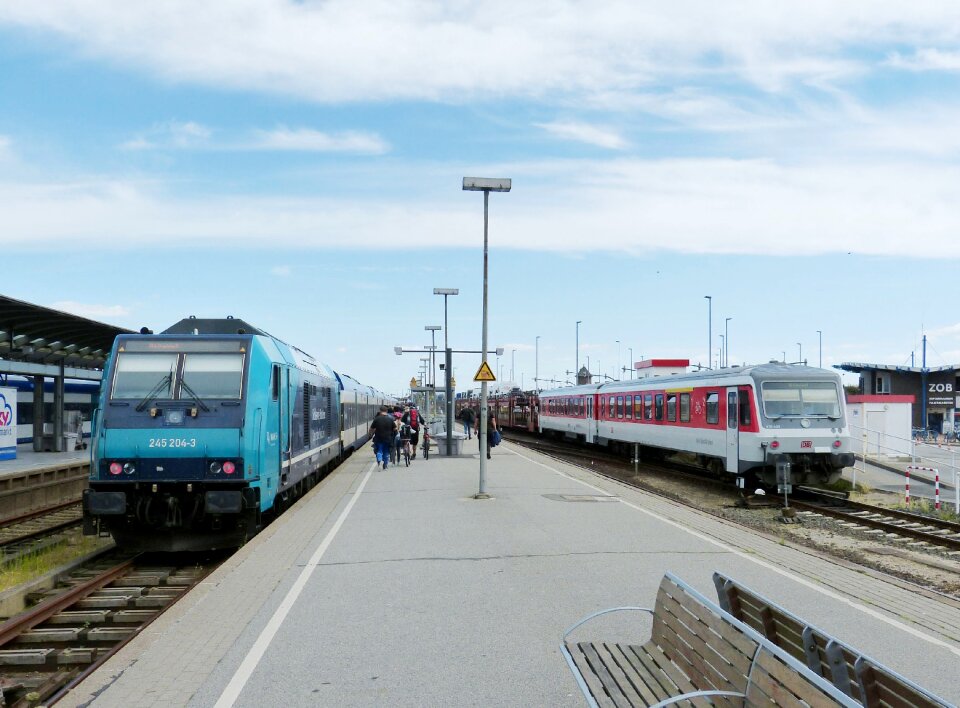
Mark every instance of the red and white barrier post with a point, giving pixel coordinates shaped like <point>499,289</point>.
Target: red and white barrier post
<point>936,482</point>
<point>908,487</point>
<point>936,491</point>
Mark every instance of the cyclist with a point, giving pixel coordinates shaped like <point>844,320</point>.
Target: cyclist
<point>406,435</point>
<point>413,418</point>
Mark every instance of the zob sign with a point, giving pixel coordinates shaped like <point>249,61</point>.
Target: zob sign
<point>8,423</point>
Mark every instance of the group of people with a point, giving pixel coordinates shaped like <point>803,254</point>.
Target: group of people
<point>393,428</point>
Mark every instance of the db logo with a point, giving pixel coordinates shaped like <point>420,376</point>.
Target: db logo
<point>806,443</point>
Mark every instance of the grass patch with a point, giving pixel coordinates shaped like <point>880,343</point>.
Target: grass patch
<point>925,507</point>
<point>34,565</point>
<point>844,485</point>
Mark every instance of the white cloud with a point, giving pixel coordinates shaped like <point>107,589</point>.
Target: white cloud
<point>584,133</point>
<point>926,60</point>
<point>628,205</point>
<point>172,134</point>
<point>91,311</point>
<point>281,271</point>
<point>304,139</point>
<point>4,144</point>
<point>341,50</point>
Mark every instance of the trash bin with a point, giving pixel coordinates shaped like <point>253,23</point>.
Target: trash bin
<point>456,445</point>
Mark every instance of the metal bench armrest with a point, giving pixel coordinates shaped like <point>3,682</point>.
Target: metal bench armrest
<point>603,612</point>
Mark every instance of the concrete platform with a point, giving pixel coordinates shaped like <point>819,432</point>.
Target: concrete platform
<point>397,588</point>
<point>29,461</point>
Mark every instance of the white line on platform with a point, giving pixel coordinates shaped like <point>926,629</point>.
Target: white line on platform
<point>768,566</point>
<point>243,673</point>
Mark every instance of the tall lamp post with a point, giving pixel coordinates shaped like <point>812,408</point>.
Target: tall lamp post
<point>576,369</point>
<point>726,341</point>
<point>820,347</point>
<point>485,185</point>
<point>448,365</point>
<point>799,353</point>
<point>709,299</point>
<point>630,349</point>
<point>432,329</point>
<point>723,341</point>
<point>536,363</point>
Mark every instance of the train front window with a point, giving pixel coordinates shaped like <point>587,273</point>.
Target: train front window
<point>212,376</point>
<point>800,399</point>
<point>141,375</point>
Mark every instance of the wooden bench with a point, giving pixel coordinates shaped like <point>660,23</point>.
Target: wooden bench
<point>697,655</point>
<point>868,681</point>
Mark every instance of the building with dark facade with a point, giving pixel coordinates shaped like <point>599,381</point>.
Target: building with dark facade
<point>935,389</point>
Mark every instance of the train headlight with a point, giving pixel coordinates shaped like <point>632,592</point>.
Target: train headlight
<point>774,444</point>
<point>129,468</point>
<point>216,468</point>
<point>115,468</point>
<point>229,467</point>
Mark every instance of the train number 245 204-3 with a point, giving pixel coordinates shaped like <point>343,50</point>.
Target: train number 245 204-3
<point>173,442</point>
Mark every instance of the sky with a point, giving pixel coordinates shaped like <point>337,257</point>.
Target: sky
<point>299,165</point>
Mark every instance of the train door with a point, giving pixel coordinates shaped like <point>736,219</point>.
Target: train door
<point>591,435</point>
<point>733,431</point>
<point>273,426</point>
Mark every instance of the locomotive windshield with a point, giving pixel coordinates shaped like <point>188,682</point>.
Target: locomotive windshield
<point>140,375</point>
<point>800,398</point>
<point>213,375</point>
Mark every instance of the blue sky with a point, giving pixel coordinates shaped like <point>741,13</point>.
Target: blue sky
<point>298,164</point>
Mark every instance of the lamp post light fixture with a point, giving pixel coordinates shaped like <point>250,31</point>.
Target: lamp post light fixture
<point>448,365</point>
<point>726,341</point>
<point>709,299</point>
<point>485,185</point>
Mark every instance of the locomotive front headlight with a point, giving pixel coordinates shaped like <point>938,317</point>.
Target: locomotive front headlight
<point>216,468</point>
<point>129,468</point>
<point>116,468</point>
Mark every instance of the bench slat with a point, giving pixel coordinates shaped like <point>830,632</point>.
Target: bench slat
<point>646,686</point>
<point>589,677</point>
<point>625,681</point>
<point>785,685</point>
<point>660,666</point>
<point>745,645</point>
<point>610,686</point>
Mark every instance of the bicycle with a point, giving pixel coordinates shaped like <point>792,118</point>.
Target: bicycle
<point>407,450</point>
<point>426,443</point>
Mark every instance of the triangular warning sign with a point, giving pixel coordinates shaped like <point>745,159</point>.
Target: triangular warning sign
<point>484,373</point>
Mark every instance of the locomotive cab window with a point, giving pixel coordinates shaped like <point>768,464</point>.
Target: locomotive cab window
<point>140,375</point>
<point>212,376</point>
<point>800,398</point>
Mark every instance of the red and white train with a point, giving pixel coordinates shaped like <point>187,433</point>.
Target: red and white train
<point>740,420</point>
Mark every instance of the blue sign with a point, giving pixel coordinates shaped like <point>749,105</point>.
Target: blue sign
<point>8,423</point>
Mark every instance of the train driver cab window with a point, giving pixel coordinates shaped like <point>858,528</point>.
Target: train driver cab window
<point>611,407</point>
<point>628,407</point>
<point>745,418</point>
<point>732,409</point>
<point>619,406</point>
<point>713,408</point>
<point>684,407</point>
<point>659,407</point>
<point>140,375</point>
<point>212,376</point>
<point>672,407</point>
<point>648,407</point>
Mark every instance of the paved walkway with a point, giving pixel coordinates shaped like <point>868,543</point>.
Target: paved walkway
<point>397,588</point>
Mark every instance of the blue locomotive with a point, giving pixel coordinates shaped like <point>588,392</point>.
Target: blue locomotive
<point>206,429</point>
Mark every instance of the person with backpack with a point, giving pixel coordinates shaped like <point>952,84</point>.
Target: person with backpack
<point>383,428</point>
<point>413,418</point>
<point>467,417</point>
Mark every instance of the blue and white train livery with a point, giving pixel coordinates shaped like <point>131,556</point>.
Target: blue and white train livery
<point>205,429</point>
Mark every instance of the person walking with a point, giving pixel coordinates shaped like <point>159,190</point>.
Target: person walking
<point>467,417</point>
<point>413,418</point>
<point>491,430</point>
<point>384,429</point>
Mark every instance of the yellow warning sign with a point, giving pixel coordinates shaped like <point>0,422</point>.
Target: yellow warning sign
<point>484,373</point>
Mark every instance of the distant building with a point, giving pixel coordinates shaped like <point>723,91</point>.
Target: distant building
<point>934,390</point>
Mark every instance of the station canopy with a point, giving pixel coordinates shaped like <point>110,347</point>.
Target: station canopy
<point>858,368</point>
<point>37,340</point>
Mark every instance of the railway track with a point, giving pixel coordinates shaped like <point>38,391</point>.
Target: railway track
<point>30,532</point>
<point>57,643</point>
<point>931,530</point>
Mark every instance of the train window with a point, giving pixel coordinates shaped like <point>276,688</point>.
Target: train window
<point>619,406</point>
<point>672,407</point>
<point>744,407</point>
<point>659,407</point>
<point>684,407</point>
<point>628,407</point>
<point>140,375</point>
<point>212,375</point>
<point>648,407</point>
<point>638,407</point>
<point>611,407</point>
<point>732,409</point>
<point>275,383</point>
<point>713,408</point>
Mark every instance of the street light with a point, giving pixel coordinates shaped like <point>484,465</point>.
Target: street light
<point>709,299</point>
<point>726,341</point>
<point>820,347</point>
<point>577,358</point>
<point>448,365</point>
<point>723,341</point>
<point>432,329</point>
<point>485,185</point>
<point>799,353</point>
<point>632,367</point>
<point>536,363</point>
